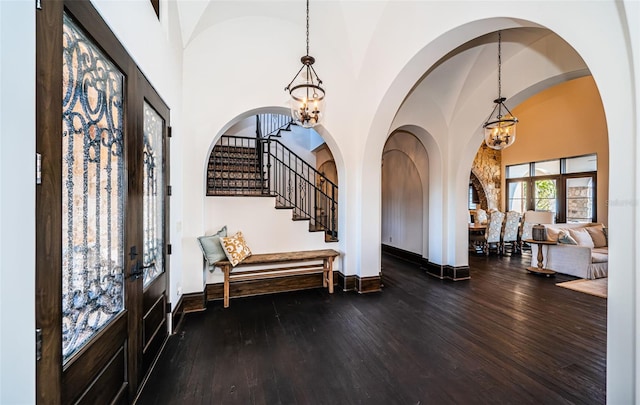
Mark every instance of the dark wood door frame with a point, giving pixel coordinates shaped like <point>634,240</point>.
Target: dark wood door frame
<point>56,384</point>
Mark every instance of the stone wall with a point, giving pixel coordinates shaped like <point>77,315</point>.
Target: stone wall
<point>579,202</point>
<point>486,167</point>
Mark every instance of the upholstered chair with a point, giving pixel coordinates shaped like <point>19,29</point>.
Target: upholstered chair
<point>511,228</point>
<point>481,216</point>
<point>494,231</point>
<point>531,218</point>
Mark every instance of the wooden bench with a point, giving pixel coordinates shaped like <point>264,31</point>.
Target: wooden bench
<point>299,266</point>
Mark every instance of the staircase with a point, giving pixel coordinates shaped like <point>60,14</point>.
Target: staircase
<point>235,169</point>
<point>263,166</point>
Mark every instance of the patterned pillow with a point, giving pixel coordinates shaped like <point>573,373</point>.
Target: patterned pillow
<point>235,247</point>
<point>211,248</point>
<point>565,237</point>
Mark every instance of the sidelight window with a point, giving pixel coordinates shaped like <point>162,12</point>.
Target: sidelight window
<point>153,195</point>
<point>93,187</point>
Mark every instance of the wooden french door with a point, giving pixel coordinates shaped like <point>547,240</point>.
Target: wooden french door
<point>101,239</point>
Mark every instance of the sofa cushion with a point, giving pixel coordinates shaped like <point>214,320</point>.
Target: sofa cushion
<point>582,237</point>
<point>597,235</point>
<point>603,250</point>
<point>599,257</point>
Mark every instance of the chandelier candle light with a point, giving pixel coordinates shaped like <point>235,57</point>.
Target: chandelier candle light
<point>499,129</point>
<point>307,94</point>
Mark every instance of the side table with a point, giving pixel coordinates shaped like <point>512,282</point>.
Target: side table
<point>540,269</point>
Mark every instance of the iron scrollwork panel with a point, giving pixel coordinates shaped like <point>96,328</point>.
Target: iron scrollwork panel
<point>153,196</point>
<point>92,190</point>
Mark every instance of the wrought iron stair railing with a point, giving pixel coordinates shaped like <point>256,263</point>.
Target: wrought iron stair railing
<point>272,125</point>
<point>264,166</point>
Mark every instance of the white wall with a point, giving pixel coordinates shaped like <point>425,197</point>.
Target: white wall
<point>17,202</point>
<point>265,229</point>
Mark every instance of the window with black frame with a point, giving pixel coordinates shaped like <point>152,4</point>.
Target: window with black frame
<point>566,187</point>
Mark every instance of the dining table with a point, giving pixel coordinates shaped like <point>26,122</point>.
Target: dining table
<point>476,230</point>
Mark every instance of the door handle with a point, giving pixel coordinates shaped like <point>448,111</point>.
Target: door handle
<point>137,270</point>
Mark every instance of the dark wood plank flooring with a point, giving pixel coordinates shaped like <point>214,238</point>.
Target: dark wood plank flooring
<point>503,337</point>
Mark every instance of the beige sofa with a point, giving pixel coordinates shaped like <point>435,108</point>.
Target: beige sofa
<point>587,258</point>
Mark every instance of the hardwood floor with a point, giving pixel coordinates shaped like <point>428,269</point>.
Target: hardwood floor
<point>503,337</point>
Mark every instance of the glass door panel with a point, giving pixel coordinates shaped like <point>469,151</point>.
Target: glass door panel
<point>153,195</point>
<point>92,190</point>
<point>546,192</point>
<point>580,199</point>
<point>517,197</point>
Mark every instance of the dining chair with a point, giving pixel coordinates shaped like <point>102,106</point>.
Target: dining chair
<point>531,218</point>
<point>494,231</point>
<point>481,216</point>
<point>511,230</point>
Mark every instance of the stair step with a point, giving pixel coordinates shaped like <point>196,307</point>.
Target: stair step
<point>223,161</point>
<point>234,149</point>
<point>300,218</point>
<point>235,185</point>
<point>238,193</point>
<point>250,153</point>
<point>328,238</point>
<point>316,228</point>
<point>284,207</point>
<point>235,176</point>
<point>234,167</point>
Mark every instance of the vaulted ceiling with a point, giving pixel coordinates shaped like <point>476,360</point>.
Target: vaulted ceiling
<point>449,84</point>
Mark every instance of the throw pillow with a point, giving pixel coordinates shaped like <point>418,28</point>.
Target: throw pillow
<point>565,237</point>
<point>552,233</point>
<point>582,237</point>
<point>598,235</point>
<point>211,248</point>
<point>235,247</point>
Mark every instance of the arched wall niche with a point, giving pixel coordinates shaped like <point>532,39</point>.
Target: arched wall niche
<point>405,193</point>
<point>428,160</point>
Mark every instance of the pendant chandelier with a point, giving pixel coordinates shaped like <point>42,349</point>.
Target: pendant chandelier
<point>307,94</point>
<point>500,127</point>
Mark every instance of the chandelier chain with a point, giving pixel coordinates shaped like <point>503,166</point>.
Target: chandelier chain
<point>307,27</point>
<point>499,64</point>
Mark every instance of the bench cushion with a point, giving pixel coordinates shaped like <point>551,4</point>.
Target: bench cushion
<point>235,248</point>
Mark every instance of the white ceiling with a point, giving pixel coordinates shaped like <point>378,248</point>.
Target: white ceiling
<point>449,84</point>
